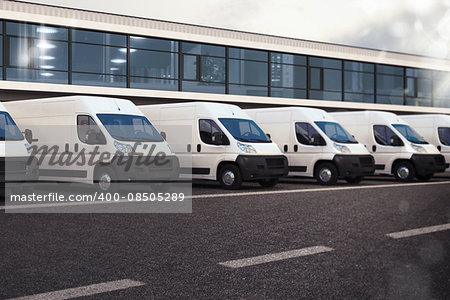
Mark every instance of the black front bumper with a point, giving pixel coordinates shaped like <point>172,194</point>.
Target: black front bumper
<point>254,167</point>
<point>146,168</point>
<point>18,171</point>
<point>426,164</point>
<point>354,165</point>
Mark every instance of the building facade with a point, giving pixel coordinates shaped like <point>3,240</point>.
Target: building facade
<point>52,51</point>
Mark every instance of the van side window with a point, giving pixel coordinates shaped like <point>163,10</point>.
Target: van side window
<point>207,129</point>
<point>88,131</point>
<point>305,133</point>
<point>384,135</point>
<point>444,135</point>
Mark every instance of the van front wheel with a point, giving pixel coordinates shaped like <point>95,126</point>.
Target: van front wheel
<point>326,173</point>
<point>404,171</point>
<point>104,180</point>
<point>230,177</point>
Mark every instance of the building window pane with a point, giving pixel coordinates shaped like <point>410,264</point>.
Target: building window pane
<point>190,67</point>
<point>203,87</point>
<point>390,70</point>
<point>367,98</point>
<point>287,58</point>
<point>38,54</point>
<point>99,79</point>
<point>153,83</point>
<point>101,38</point>
<point>390,100</point>
<point>357,82</point>
<point>202,49</point>
<point>316,78</point>
<point>321,95</point>
<point>36,75</point>
<point>288,76</point>
<point>418,101</point>
<point>358,66</point>
<point>153,44</point>
<point>247,72</point>
<point>332,80</point>
<point>441,87</point>
<point>43,32</point>
<point>98,59</point>
<point>288,93</point>
<point>247,54</point>
<point>389,85</point>
<point>212,69</point>
<point>154,64</point>
<point>247,90</point>
<point>325,62</point>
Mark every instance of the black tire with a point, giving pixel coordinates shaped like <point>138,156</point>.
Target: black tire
<point>230,177</point>
<point>404,171</point>
<point>267,183</point>
<point>101,180</point>
<point>326,173</point>
<point>424,177</point>
<point>356,179</point>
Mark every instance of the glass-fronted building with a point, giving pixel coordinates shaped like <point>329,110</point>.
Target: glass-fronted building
<point>80,52</point>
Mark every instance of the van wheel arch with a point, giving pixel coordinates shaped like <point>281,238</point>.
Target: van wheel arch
<point>407,163</point>
<point>221,164</point>
<point>330,173</point>
<point>321,162</point>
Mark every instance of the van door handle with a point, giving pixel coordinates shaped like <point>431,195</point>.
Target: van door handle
<point>199,148</point>
<point>188,147</point>
<point>295,148</point>
<point>285,148</point>
<point>374,148</point>
<point>439,148</point>
<point>66,148</point>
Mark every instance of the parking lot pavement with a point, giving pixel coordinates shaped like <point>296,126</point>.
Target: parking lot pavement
<point>286,243</point>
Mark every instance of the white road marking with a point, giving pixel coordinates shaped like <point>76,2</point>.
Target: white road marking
<point>84,290</point>
<point>256,260</point>
<point>418,231</point>
<point>228,195</point>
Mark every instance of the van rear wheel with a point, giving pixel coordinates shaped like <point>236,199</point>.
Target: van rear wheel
<point>268,182</point>
<point>104,181</point>
<point>404,171</point>
<point>326,173</point>
<point>230,177</point>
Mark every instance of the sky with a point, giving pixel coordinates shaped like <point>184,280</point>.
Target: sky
<point>410,26</point>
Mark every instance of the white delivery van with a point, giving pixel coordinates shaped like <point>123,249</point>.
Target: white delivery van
<point>17,170</point>
<point>227,145</point>
<point>95,140</point>
<point>435,129</point>
<point>397,148</point>
<point>315,144</point>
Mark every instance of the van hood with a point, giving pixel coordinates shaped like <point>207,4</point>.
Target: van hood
<point>261,148</point>
<point>355,148</point>
<point>429,149</point>
<point>13,149</point>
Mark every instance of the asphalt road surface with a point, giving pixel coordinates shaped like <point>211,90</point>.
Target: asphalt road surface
<point>379,239</point>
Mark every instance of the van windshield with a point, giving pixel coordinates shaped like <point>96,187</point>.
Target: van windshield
<point>336,132</point>
<point>130,128</point>
<point>8,129</point>
<point>244,130</point>
<point>409,134</point>
<point>444,135</point>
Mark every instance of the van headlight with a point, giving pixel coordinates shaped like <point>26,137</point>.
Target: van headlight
<point>124,148</point>
<point>246,148</point>
<point>341,148</point>
<point>418,148</point>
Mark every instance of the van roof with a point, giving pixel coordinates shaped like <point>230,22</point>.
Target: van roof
<point>374,116</point>
<point>205,108</point>
<point>82,104</point>
<point>2,107</point>
<point>306,113</point>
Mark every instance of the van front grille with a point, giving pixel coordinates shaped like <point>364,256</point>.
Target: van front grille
<point>274,163</point>
<point>366,161</point>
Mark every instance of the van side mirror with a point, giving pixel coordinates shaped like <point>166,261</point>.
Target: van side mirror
<point>396,141</point>
<point>29,136</point>
<point>317,140</point>
<point>217,138</point>
<point>163,134</point>
<point>268,136</point>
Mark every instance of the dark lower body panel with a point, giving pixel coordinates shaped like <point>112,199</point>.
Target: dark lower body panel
<point>354,165</point>
<point>255,167</point>
<point>427,164</point>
